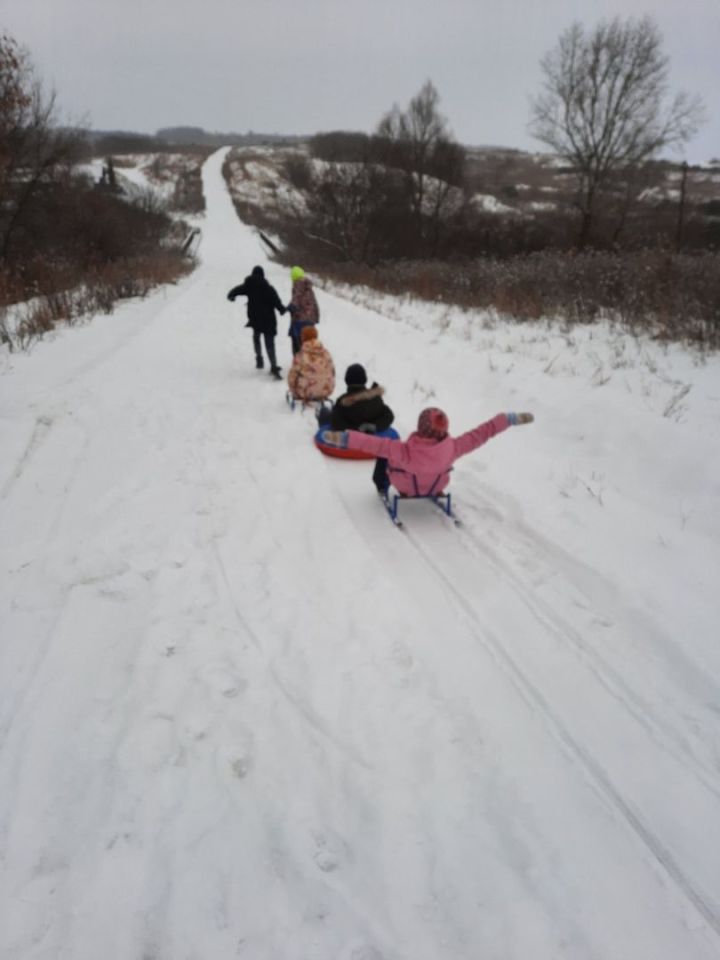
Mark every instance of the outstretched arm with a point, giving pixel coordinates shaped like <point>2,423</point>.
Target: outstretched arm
<point>366,442</point>
<point>237,292</point>
<point>467,442</point>
<point>277,302</point>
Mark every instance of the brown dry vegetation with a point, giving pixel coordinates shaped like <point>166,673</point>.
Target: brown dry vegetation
<point>183,172</point>
<point>72,294</point>
<point>80,249</point>
<point>669,295</point>
<point>69,247</point>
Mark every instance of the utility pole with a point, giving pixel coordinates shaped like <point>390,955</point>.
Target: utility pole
<point>681,208</point>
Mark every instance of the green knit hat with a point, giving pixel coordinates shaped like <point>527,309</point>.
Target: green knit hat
<point>297,273</point>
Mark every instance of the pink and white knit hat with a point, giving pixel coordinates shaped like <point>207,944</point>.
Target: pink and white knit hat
<point>433,423</point>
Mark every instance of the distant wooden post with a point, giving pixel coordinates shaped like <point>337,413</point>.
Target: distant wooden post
<point>681,208</point>
<point>112,179</point>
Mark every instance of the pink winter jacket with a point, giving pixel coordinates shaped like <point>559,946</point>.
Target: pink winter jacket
<point>419,465</point>
<point>312,375</point>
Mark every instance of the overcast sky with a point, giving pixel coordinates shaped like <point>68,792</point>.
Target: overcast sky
<point>280,66</point>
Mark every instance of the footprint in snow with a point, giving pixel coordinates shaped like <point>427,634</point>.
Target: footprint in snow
<point>363,951</point>
<point>223,679</point>
<point>329,853</point>
<point>235,757</point>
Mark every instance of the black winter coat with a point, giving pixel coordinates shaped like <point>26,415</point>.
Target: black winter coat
<point>359,407</point>
<point>263,301</point>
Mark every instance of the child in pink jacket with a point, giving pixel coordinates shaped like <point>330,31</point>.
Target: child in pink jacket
<point>420,466</point>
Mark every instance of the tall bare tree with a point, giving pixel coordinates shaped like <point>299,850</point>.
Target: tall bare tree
<point>418,141</point>
<point>605,105</point>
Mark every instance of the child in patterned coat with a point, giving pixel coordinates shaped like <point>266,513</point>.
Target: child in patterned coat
<point>312,375</point>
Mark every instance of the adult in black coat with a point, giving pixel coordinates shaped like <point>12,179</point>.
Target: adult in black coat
<point>363,408</point>
<point>262,302</point>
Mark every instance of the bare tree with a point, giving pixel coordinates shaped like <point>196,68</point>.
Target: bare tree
<point>605,106</point>
<point>419,142</point>
<point>354,210</point>
<point>33,150</point>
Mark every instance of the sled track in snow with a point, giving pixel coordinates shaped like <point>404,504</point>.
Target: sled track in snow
<point>534,697</point>
<point>532,694</point>
<point>664,735</point>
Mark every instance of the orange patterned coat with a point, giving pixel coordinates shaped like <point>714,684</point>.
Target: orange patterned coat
<point>312,375</point>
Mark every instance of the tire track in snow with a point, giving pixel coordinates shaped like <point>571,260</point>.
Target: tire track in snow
<point>247,629</point>
<point>312,719</point>
<point>302,709</point>
<point>43,425</point>
<point>69,374</point>
<point>535,698</point>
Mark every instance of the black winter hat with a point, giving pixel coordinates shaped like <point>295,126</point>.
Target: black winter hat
<point>355,375</point>
<point>258,272</point>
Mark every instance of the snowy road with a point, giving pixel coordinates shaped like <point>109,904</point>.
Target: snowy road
<point>243,716</point>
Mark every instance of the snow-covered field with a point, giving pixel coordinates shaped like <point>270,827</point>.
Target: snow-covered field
<point>241,715</point>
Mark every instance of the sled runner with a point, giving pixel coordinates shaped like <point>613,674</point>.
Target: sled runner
<point>443,502</point>
<point>315,405</point>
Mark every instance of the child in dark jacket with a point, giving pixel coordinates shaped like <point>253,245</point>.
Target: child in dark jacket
<point>420,465</point>
<point>361,408</point>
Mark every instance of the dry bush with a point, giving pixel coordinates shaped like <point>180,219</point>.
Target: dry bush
<point>525,266</point>
<point>188,196</point>
<point>68,248</point>
<point>673,296</point>
<point>341,192</point>
<point>183,171</point>
<point>340,146</point>
<point>82,293</point>
<point>297,170</point>
<point>71,223</point>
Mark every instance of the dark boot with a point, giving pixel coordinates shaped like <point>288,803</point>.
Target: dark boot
<point>380,476</point>
<point>276,372</point>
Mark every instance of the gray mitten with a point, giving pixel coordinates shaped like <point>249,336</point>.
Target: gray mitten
<point>517,419</point>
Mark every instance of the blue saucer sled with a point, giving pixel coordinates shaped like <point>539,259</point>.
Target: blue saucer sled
<point>350,454</point>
